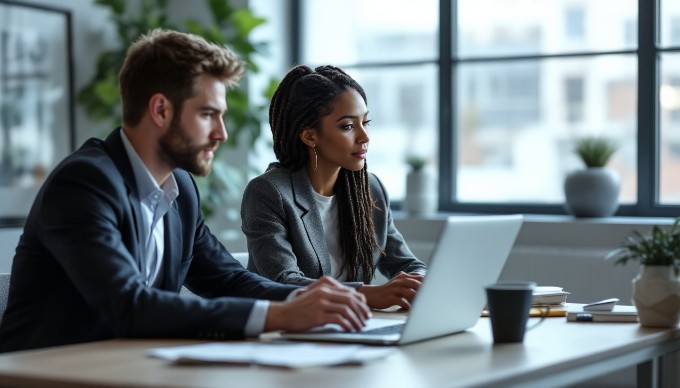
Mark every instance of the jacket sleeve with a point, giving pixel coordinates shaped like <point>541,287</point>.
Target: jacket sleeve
<point>87,225</point>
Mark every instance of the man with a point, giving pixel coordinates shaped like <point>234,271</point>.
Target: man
<point>116,229</point>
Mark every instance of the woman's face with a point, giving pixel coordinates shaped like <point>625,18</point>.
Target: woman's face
<point>342,140</point>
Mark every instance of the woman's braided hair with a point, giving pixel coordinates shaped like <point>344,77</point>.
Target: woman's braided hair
<point>302,99</point>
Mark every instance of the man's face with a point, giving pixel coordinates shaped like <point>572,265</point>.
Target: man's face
<point>195,133</point>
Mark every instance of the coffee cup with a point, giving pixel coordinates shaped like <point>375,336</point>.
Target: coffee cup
<point>509,304</point>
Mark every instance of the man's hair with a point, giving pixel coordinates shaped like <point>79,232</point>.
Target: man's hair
<point>170,62</point>
<point>302,99</point>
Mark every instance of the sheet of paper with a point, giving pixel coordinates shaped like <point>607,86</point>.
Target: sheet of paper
<point>289,355</point>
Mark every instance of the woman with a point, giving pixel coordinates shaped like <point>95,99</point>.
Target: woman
<point>318,211</point>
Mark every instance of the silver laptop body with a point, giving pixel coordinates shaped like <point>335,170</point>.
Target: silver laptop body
<point>470,254</point>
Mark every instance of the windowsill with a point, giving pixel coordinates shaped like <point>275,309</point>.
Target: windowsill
<point>556,231</point>
<point>553,218</point>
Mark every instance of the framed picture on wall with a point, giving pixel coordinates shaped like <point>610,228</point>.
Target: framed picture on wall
<point>36,104</point>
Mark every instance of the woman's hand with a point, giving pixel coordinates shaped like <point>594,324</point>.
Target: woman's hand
<point>324,301</point>
<point>399,291</point>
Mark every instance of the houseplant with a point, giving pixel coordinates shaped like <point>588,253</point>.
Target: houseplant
<point>421,191</point>
<point>230,25</point>
<point>656,289</point>
<point>594,190</point>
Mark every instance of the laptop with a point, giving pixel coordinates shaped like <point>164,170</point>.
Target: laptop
<point>470,254</point>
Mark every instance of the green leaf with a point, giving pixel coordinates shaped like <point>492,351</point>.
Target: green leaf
<point>221,10</point>
<point>595,151</point>
<point>107,92</point>
<point>660,247</point>
<point>193,27</point>
<point>245,21</point>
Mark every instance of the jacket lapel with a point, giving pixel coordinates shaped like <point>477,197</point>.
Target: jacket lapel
<point>310,218</point>
<point>116,149</point>
<point>173,249</point>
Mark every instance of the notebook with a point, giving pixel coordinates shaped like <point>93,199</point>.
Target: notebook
<point>470,254</point>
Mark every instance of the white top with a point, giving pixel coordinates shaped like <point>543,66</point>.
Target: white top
<point>328,209</point>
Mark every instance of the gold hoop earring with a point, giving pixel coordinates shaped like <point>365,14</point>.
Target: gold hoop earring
<point>316,158</point>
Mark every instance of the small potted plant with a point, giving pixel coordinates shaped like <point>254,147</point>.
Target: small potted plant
<point>594,190</point>
<point>416,162</point>
<point>656,289</point>
<point>421,190</point>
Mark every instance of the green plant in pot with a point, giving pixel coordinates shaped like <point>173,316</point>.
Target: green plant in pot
<point>656,289</point>
<point>594,190</point>
<point>230,25</point>
<point>416,162</point>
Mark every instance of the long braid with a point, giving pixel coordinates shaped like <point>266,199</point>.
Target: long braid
<point>302,99</point>
<point>357,233</point>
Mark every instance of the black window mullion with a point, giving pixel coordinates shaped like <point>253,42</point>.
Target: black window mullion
<point>447,124</point>
<point>648,131</point>
<point>295,37</point>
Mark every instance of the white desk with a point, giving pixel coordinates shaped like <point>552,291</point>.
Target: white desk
<point>555,353</point>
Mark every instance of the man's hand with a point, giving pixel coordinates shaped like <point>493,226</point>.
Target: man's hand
<point>399,291</point>
<point>324,301</point>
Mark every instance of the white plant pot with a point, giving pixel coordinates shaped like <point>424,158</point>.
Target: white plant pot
<point>593,192</point>
<point>656,294</point>
<point>421,193</point>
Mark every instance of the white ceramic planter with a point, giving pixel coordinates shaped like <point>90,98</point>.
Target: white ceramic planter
<point>593,192</point>
<point>656,294</point>
<point>421,193</point>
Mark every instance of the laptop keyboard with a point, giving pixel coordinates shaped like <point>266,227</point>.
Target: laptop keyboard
<point>394,329</point>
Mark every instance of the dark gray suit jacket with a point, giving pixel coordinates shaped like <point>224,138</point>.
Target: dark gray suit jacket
<point>77,273</point>
<point>285,236</point>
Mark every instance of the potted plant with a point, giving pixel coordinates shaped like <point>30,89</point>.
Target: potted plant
<point>593,191</point>
<point>421,191</point>
<point>656,289</point>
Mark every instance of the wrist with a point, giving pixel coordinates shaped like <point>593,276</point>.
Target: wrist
<point>275,317</point>
<point>367,290</point>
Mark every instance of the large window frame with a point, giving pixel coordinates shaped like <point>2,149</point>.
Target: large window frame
<point>648,54</point>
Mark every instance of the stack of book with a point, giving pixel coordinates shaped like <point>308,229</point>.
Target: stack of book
<point>549,301</point>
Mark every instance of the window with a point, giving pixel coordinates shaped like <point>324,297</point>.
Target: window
<point>497,91</point>
<point>669,104</point>
<point>393,55</point>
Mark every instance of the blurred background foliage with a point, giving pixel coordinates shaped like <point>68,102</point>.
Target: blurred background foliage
<point>229,25</point>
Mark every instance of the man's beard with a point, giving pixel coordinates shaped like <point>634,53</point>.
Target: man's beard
<point>177,148</point>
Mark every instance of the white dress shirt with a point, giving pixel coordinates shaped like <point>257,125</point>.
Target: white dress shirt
<point>155,201</point>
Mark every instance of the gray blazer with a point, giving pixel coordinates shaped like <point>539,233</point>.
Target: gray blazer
<point>285,236</point>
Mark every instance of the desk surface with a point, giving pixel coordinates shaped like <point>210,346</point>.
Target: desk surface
<point>556,352</point>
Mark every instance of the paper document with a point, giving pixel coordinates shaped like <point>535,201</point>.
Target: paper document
<point>288,355</point>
